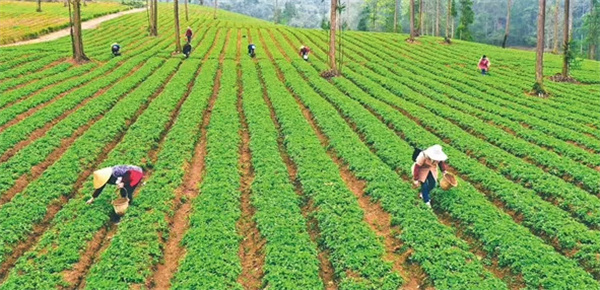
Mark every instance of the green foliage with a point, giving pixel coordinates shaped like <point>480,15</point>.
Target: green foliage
<point>466,18</point>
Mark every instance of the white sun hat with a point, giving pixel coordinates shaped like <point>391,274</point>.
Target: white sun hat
<point>435,153</point>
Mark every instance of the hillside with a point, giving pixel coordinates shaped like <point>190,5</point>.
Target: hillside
<point>261,174</point>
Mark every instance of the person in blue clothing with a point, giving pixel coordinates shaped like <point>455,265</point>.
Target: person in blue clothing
<point>116,49</point>
<point>251,50</point>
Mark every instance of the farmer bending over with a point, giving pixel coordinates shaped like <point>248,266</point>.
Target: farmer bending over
<point>187,49</point>
<point>304,51</point>
<point>115,47</point>
<point>484,65</point>
<point>125,177</point>
<point>251,49</point>
<point>425,170</point>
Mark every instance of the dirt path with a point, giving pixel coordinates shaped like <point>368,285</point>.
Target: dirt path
<point>90,24</point>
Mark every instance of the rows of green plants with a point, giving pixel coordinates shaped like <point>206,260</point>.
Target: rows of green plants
<point>468,101</point>
<point>63,243</point>
<point>22,79</point>
<point>39,150</point>
<point>532,111</point>
<point>512,244</point>
<point>578,202</point>
<point>354,250</point>
<point>291,258</point>
<point>57,180</point>
<point>588,178</point>
<point>21,66</point>
<point>212,243</point>
<point>418,224</point>
<point>510,82</point>
<point>145,222</point>
<point>96,80</point>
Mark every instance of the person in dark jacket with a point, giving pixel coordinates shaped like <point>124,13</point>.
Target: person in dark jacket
<point>304,51</point>
<point>251,50</point>
<point>188,34</point>
<point>425,171</point>
<point>187,49</point>
<point>125,177</point>
<point>116,49</point>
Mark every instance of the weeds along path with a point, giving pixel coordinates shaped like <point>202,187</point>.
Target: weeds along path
<point>402,209</point>
<point>330,194</point>
<point>82,156</point>
<point>475,201</point>
<point>206,87</point>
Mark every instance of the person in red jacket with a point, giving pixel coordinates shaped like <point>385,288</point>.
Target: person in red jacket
<point>484,65</point>
<point>425,171</point>
<point>188,34</point>
<point>304,51</point>
<point>125,177</point>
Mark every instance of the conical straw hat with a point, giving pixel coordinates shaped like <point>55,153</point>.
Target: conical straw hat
<point>101,176</point>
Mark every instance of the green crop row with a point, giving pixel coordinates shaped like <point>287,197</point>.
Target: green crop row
<point>11,83</point>
<point>212,243</point>
<point>145,222</point>
<point>355,252</point>
<point>8,67</point>
<point>39,150</point>
<point>418,225</point>
<point>61,246</point>
<point>28,67</point>
<point>291,258</point>
<point>513,245</point>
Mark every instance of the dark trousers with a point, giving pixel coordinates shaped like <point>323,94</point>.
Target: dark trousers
<point>427,186</point>
<point>483,71</point>
<point>189,38</point>
<point>127,192</point>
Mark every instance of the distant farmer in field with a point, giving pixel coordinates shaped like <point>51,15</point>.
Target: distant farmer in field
<point>304,51</point>
<point>115,47</point>
<point>251,50</point>
<point>187,49</point>
<point>484,65</point>
<point>125,177</point>
<point>425,171</point>
<point>188,34</point>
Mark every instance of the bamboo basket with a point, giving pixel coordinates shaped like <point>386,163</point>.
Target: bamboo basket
<point>120,205</point>
<point>448,181</point>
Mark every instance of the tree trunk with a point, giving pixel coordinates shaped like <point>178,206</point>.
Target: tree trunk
<point>215,13</point>
<point>507,29</point>
<point>566,48</point>
<point>84,3</point>
<point>177,36</point>
<point>396,8</point>
<point>275,16</point>
<point>332,30</point>
<point>437,17</point>
<point>78,53</point>
<point>412,20</point>
<point>448,16</point>
<point>452,33</point>
<point>592,46</point>
<point>421,20</point>
<point>153,18</point>
<point>555,48</point>
<point>187,16</point>
<point>539,63</point>
<point>39,8</point>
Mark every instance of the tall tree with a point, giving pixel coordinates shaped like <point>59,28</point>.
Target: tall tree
<point>177,36</point>
<point>412,20</point>
<point>507,29</point>
<point>454,12</point>
<point>448,14</point>
<point>592,27</point>
<point>437,17</point>
<point>396,8</point>
<point>39,8</point>
<point>76,34</point>
<point>153,16</point>
<point>215,13</point>
<point>566,40</point>
<point>466,18</point>
<point>332,30</point>
<point>421,19</point>
<point>555,48</point>
<point>187,17</point>
<point>539,54</point>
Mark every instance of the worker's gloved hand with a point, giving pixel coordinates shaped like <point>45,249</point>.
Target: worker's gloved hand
<point>90,201</point>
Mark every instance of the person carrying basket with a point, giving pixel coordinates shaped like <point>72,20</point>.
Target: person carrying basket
<point>125,177</point>
<point>425,167</point>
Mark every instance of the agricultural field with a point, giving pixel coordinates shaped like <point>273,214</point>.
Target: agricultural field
<point>262,174</point>
<point>20,21</point>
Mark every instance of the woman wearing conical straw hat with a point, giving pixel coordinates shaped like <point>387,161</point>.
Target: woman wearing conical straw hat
<point>125,177</point>
<point>425,171</point>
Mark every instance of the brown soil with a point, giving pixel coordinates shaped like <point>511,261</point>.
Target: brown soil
<point>75,276</point>
<point>173,252</point>
<point>57,205</point>
<point>561,79</point>
<point>251,250</point>
<point>326,271</point>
